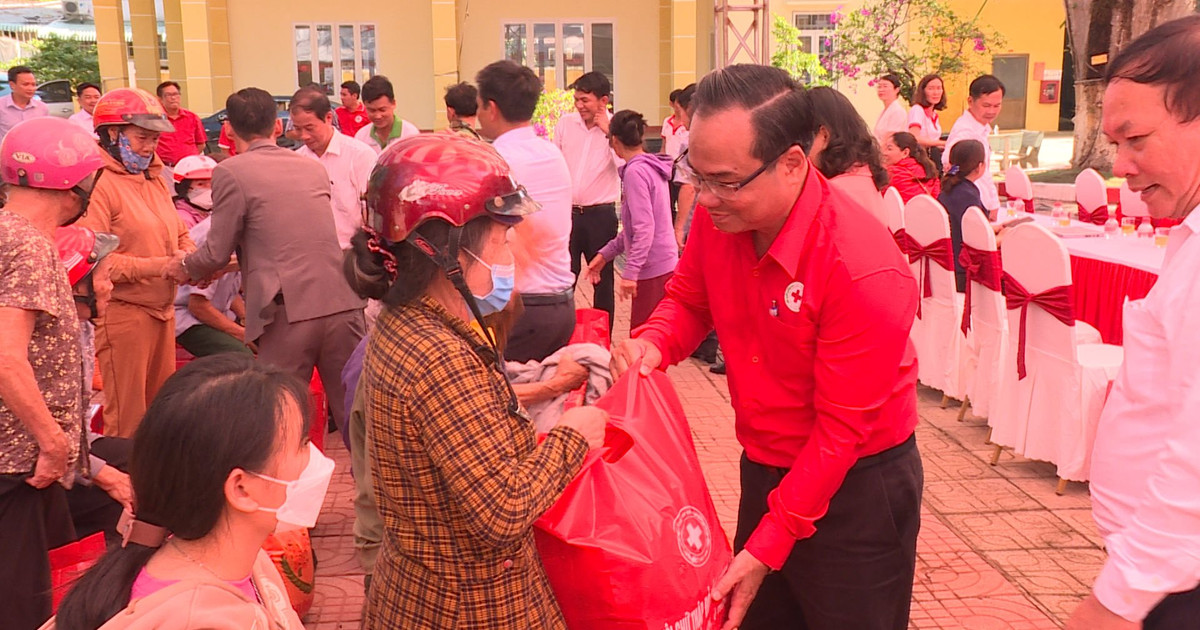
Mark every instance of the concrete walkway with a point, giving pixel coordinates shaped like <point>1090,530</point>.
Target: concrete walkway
<point>998,548</point>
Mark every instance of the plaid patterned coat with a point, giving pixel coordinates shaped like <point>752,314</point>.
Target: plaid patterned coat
<point>459,481</point>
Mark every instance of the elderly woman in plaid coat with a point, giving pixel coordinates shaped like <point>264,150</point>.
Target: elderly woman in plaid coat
<point>458,474</point>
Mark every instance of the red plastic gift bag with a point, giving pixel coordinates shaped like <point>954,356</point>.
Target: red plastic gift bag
<point>591,326</point>
<point>292,553</point>
<point>635,543</point>
<point>317,429</point>
<point>69,562</point>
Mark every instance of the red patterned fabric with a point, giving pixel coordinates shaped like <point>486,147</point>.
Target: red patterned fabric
<point>983,267</point>
<point>939,251</point>
<point>1056,301</point>
<point>1101,289</point>
<point>1099,216</point>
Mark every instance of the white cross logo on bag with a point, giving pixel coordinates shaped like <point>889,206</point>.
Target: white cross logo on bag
<point>692,535</point>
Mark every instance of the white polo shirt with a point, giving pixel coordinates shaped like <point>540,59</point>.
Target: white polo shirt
<point>349,164</point>
<point>931,128</point>
<point>592,163</point>
<point>366,135</point>
<point>545,236</point>
<point>967,128</point>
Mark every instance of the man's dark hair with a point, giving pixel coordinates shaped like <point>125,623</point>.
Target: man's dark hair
<point>775,101</point>
<point>251,113</point>
<point>594,83</point>
<point>851,142</point>
<point>1166,55</point>
<point>513,88</point>
<point>164,85</point>
<point>674,95</point>
<point>685,97</point>
<point>83,86</point>
<point>919,97</point>
<point>311,101</point>
<point>461,96</point>
<point>352,87</point>
<point>376,87</point>
<point>16,71</point>
<point>985,84</point>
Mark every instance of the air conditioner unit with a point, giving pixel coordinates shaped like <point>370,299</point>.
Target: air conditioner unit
<point>77,10</point>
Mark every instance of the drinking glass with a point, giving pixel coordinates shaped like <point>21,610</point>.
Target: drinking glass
<point>1161,235</point>
<point>1128,226</point>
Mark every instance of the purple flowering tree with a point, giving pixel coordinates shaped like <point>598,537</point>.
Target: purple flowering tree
<point>910,38</point>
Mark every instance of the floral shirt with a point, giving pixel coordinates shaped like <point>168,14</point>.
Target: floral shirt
<point>33,278</point>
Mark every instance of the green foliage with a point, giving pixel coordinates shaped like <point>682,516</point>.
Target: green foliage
<point>939,41</point>
<point>789,56</point>
<point>550,107</point>
<point>61,58</point>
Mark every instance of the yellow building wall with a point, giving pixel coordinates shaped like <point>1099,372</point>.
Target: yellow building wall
<point>636,42</point>
<point>263,51</point>
<point>1032,27</point>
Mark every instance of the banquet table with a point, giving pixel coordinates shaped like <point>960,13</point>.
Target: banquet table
<point>1106,271</point>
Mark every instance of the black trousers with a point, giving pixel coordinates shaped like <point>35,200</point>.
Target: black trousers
<point>591,229</point>
<point>1179,611</point>
<point>92,510</point>
<point>542,330</point>
<point>856,571</point>
<point>32,522</point>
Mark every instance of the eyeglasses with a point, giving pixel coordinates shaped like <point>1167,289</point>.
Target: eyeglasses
<point>724,191</point>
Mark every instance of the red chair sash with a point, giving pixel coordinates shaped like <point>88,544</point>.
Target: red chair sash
<point>1057,301</point>
<point>1028,205</point>
<point>901,240</point>
<point>983,267</point>
<point>1099,216</point>
<point>939,251</point>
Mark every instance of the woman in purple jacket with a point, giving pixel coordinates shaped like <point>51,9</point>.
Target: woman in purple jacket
<point>647,236</point>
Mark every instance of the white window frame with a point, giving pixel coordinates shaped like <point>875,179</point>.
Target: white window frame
<point>815,33</point>
<point>336,44</point>
<point>559,66</point>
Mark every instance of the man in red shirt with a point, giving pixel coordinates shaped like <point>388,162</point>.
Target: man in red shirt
<point>189,137</point>
<point>813,304</point>
<point>352,115</point>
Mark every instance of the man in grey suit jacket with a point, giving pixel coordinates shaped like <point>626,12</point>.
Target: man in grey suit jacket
<point>273,207</point>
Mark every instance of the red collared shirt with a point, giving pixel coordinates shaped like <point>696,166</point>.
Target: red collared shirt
<point>176,145</point>
<point>815,334</point>
<point>350,122</point>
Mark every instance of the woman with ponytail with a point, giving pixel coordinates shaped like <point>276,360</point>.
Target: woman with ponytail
<point>968,162</point>
<point>457,474</point>
<point>845,151</point>
<point>911,171</point>
<point>220,460</point>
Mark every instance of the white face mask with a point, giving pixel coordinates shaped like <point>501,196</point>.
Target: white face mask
<point>201,197</point>
<point>304,496</point>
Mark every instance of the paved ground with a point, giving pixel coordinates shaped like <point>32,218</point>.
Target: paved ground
<point>998,548</point>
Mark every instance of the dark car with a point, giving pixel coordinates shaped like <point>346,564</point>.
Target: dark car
<point>212,126</point>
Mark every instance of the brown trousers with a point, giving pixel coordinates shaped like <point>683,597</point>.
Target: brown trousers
<point>136,353</point>
<point>325,343</point>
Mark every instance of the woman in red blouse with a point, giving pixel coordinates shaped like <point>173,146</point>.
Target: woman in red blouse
<point>911,171</point>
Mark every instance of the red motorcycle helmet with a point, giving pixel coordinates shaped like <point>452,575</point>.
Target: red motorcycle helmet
<point>131,106</point>
<point>81,249</point>
<point>441,176</point>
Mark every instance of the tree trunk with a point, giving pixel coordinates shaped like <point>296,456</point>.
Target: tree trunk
<point>1099,29</point>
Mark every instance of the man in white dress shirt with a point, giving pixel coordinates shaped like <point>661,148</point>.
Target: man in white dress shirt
<point>1145,474</point>
<point>386,127</point>
<point>348,161</point>
<point>508,94</point>
<point>985,95</point>
<point>595,185</point>
<point>89,95</point>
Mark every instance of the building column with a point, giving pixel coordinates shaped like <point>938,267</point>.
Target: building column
<point>144,26</point>
<point>445,56</point>
<point>678,30</point>
<point>110,44</point>
<point>198,52</point>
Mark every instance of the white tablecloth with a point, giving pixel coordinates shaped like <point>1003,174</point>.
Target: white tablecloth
<point>1132,251</point>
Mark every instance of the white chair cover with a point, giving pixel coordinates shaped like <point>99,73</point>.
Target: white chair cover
<point>1051,414</point>
<point>980,358</point>
<point>1017,184</point>
<point>1131,203</point>
<point>893,205</point>
<point>1090,191</point>
<point>936,333</point>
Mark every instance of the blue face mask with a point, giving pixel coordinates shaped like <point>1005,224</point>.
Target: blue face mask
<point>503,281</point>
<point>133,162</point>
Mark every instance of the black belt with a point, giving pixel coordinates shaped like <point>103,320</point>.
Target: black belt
<point>881,457</point>
<point>546,299</point>
<point>612,205</point>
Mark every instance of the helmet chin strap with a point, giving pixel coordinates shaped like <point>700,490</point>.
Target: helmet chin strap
<point>448,260</point>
